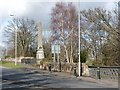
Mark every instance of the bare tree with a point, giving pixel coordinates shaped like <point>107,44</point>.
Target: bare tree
<point>64,21</point>
<point>26,34</point>
<point>101,27</point>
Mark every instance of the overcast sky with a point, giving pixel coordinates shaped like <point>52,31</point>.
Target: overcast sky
<point>40,10</point>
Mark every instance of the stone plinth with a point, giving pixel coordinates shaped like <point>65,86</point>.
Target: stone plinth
<point>40,54</point>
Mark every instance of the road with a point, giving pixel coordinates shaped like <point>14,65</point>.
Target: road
<point>15,78</point>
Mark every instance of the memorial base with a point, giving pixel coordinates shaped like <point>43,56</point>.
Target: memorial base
<point>39,55</point>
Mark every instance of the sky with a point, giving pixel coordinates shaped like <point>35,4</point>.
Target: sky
<point>39,10</point>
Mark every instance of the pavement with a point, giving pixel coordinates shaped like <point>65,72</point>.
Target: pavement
<point>88,79</point>
<point>72,77</point>
<point>31,77</point>
<point>100,81</point>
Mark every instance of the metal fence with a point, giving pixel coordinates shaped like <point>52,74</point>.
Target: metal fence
<point>111,73</point>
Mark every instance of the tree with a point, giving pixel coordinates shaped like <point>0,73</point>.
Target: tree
<point>101,30</point>
<point>64,21</point>
<point>47,50</point>
<point>92,29</point>
<point>26,35</point>
<point>118,44</point>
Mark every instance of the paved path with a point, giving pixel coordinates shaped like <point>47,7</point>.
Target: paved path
<point>30,78</point>
<point>113,83</point>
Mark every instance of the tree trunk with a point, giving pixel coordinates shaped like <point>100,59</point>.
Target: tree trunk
<point>71,43</point>
<point>66,53</point>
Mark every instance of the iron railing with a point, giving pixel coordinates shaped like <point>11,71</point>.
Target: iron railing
<point>104,72</point>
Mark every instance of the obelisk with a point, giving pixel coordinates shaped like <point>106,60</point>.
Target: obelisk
<point>40,52</point>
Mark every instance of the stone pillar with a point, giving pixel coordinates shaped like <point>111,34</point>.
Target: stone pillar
<point>40,52</point>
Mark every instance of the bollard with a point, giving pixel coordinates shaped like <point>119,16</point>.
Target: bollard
<point>59,66</point>
<point>49,67</point>
<point>98,72</point>
<point>75,71</point>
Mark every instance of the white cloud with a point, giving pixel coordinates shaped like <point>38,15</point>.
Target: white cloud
<point>19,8</point>
<point>54,0</point>
<point>12,6</point>
<point>99,0</point>
<point>34,9</point>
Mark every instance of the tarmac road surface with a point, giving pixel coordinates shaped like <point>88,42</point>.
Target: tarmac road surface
<point>32,79</point>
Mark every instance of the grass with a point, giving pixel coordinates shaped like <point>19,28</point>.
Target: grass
<point>10,64</point>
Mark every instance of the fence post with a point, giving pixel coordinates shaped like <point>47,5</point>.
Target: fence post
<point>98,72</point>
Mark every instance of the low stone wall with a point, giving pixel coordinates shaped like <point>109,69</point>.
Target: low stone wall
<point>65,67</point>
<point>28,60</point>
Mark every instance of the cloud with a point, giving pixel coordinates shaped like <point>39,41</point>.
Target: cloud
<point>99,0</point>
<point>7,7</point>
<point>39,10</point>
<point>91,5</point>
<point>33,9</point>
<point>24,8</point>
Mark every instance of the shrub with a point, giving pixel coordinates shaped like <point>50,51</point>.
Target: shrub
<point>83,56</point>
<point>7,57</point>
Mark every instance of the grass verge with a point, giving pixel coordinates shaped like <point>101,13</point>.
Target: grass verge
<point>10,64</point>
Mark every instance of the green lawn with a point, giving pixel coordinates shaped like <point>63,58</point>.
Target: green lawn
<point>10,64</point>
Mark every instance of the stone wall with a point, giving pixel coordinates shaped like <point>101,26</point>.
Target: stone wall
<point>65,67</point>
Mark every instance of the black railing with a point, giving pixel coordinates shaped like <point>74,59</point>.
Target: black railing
<point>111,72</point>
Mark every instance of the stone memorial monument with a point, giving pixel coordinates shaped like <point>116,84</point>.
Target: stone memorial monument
<point>40,52</point>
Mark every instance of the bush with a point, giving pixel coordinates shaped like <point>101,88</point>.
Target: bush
<point>89,62</point>
<point>83,56</point>
<point>45,61</point>
<point>41,62</point>
<point>97,63</point>
<point>7,57</point>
